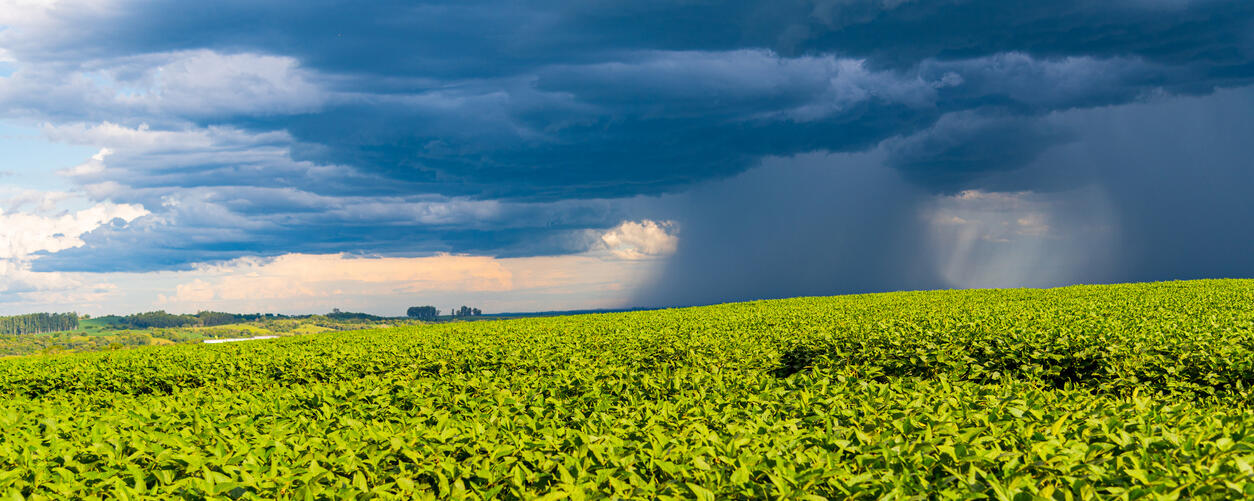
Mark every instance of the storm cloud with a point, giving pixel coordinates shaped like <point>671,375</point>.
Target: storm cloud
<point>808,145</point>
<point>1147,191</point>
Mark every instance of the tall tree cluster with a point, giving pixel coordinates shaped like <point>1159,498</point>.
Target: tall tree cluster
<point>424,313</point>
<point>162,320</point>
<point>38,323</point>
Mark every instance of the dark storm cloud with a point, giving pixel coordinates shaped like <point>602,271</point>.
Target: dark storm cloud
<point>1179,175</point>
<point>1139,192</point>
<point>556,100</point>
<point>962,147</point>
<point>537,105</point>
<point>485,38</point>
<point>816,225</point>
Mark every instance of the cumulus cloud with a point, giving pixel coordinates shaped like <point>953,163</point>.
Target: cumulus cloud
<point>93,166</point>
<point>38,230</point>
<point>641,239</point>
<point>24,234</point>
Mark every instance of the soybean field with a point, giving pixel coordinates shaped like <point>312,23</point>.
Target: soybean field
<point>1138,391</point>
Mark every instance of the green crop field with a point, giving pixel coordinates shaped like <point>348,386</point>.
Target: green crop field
<point>1130,391</point>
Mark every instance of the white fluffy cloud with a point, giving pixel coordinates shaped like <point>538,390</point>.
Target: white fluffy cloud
<point>41,229</point>
<point>23,234</point>
<point>643,239</point>
<point>93,165</point>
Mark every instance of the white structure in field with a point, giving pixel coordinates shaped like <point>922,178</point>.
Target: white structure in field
<point>213,341</point>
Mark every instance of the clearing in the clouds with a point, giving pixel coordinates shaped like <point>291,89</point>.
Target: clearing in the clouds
<point>1079,392</point>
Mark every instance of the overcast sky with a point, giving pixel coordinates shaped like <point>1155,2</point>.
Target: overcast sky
<point>299,156</point>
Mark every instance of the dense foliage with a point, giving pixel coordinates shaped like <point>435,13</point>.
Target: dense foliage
<point>38,323</point>
<point>336,314</point>
<point>424,313</point>
<point>215,318</point>
<point>1083,392</point>
<point>158,319</point>
<point>161,319</point>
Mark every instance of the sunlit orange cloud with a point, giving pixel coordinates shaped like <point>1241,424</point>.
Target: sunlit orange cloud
<point>625,257</point>
<point>591,280</point>
<point>620,261</point>
<point>313,275</point>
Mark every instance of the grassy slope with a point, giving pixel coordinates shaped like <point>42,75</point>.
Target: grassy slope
<point>1088,391</point>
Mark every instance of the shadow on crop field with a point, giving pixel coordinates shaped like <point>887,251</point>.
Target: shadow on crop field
<point>1091,368</point>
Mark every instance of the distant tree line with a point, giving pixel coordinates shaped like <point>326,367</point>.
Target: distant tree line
<point>38,323</point>
<point>161,319</point>
<point>431,313</point>
<point>424,313</point>
<point>336,314</point>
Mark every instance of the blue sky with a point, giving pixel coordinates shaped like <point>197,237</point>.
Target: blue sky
<point>574,155</point>
<point>29,156</point>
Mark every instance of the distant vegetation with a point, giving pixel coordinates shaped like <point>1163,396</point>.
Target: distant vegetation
<point>344,315</point>
<point>425,313</point>
<point>1094,392</point>
<point>160,328</point>
<point>431,313</point>
<point>38,323</point>
<point>161,319</point>
<point>68,332</point>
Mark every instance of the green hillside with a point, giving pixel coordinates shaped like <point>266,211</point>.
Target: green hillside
<point>1135,391</point>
